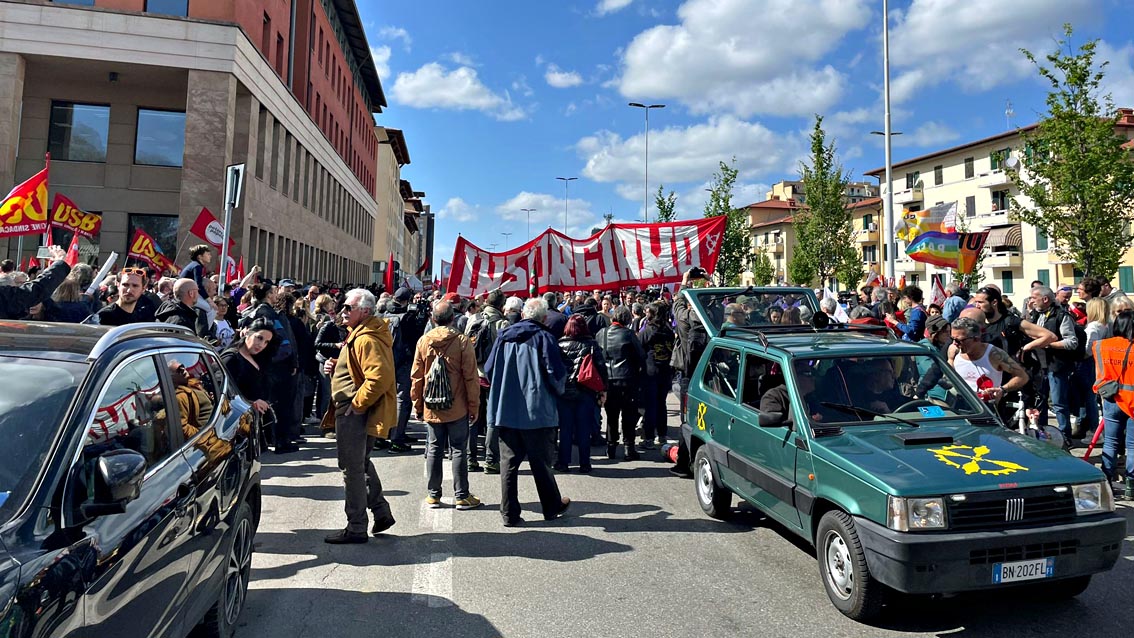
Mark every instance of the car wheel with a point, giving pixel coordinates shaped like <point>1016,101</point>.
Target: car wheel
<point>843,568</point>
<point>220,620</point>
<point>714,499</point>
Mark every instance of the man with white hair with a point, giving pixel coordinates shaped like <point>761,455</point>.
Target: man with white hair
<point>182,308</point>
<point>363,389</point>
<point>829,307</point>
<point>526,374</point>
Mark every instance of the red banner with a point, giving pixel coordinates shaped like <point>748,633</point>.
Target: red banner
<point>24,210</point>
<point>66,215</point>
<point>212,231</point>
<point>144,247</point>
<point>620,255</point>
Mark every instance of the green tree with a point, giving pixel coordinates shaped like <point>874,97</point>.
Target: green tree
<point>667,205</point>
<point>1079,178</point>
<point>762,269</point>
<point>824,230</point>
<point>800,269</point>
<point>737,240</point>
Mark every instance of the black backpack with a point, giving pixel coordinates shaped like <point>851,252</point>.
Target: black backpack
<point>438,389</point>
<point>483,336</point>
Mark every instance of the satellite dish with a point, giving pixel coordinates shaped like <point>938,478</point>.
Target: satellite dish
<point>1012,163</point>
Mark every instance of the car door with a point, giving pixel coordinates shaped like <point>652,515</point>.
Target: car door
<point>142,565</point>
<point>712,408</point>
<point>764,457</point>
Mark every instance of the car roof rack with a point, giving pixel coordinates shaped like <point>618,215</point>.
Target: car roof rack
<point>760,330</point>
<point>121,333</point>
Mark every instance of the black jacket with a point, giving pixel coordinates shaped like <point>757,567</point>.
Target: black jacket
<point>15,300</point>
<point>595,320</point>
<point>625,358</point>
<point>305,345</point>
<point>556,322</point>
<point>658,341</point>
<point>573,352</point>
<point>692,338</point>
<point>250,380</point>
<point>179,314</point>
<point>327,340</point>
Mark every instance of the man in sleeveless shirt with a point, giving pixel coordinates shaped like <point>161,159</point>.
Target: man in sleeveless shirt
<point>988,370</point>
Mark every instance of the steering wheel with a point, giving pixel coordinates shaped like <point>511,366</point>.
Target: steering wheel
<point>916,403</point>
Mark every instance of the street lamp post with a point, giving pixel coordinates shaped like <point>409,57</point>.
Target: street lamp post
<point>646,170</point>
<point>506,236</point>
<point>566,181</point>
<point>889,213</point>
<point>529,211</point>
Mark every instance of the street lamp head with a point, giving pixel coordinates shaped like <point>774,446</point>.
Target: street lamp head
<point>656,106</point>
<point>637,104</point>
<point>892,133</point>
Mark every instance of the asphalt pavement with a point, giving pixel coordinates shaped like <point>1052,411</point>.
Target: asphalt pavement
<point>635,556</point>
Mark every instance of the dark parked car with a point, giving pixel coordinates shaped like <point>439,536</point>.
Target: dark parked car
<point>129,483</point>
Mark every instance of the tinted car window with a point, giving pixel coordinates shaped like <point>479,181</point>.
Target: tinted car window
<point>755,308</point>
<point>194,389</point>
<point>34,398</point>
<point>132,415</point>
<point>722,372</point>
<point>760,377</point>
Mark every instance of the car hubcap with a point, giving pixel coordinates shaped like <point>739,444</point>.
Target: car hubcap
<point>238,572</point>
<point>839,573</point>
<point>705,485</point>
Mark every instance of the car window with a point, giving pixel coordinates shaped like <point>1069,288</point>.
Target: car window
<point>761,375</point>
<point>132,415</point>
<point>722,372</point>
<point>754,307</point>
<point>194,389</point>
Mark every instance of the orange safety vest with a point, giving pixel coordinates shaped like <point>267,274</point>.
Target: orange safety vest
<point>1112,363</point>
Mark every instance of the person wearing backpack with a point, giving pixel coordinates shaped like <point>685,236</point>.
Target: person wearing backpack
<point>1058,358</point>
<point>482,331</point>
<point>445,389</point>
<point>406,327</point>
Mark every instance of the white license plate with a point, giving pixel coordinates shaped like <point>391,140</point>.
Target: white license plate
<point>1023,570</point>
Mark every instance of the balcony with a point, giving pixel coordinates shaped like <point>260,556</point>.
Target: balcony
<point>774,245</point>
<point>904,265</point>
<point>868,235</point>
<point>998,217</point>
<point>993,179</point>
<point>909,195</point>
<point>1004,259</point>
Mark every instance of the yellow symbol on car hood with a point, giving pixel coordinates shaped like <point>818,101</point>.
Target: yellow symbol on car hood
<point>971,460</point>
<point>701,409</point>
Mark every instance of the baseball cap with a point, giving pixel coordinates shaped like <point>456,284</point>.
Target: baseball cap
<point>287,283</point>
<point>452,297</point>
<point>936,324</point>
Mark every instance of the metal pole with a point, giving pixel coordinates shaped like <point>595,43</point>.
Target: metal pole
<point>223,284</point>
<point>888,213</point>
<point>646,172</point>
<point>565,180</point>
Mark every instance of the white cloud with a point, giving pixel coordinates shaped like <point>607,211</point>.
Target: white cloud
<point>460,59</point>
<point>605,7</point>
<point>726,57</point>
<point>938,41</point>
<point>691,154</point>
<point>549,212</point>
<point>520,85</point>
<point>381,57</point>
<point>928,135</point>
<point>396,33</point>
<point>458,210</point>
<point>1119,78</point>
<point>561,79</point>
<point>434,86</point>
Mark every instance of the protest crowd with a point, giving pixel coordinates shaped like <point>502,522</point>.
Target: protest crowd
<point>556,379</point>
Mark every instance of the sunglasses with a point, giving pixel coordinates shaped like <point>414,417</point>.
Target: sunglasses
<point>134,271</point>
<point>963,340</point>
<point>346,308</point>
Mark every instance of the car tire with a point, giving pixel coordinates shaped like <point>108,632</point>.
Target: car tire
<point>843,568</point>
<point>715,499</point>
<point>220,620</point>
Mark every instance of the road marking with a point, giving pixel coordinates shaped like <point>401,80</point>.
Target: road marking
<point>433,574</point>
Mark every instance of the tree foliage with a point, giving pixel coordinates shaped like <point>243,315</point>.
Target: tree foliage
<point>1078,177</point>
<point>736,244</point>
<point>824,230</point>
<point>762,269</point>
<point>666,204</point>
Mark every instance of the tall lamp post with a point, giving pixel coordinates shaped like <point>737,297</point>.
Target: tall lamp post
<point>566,181</point>
<point>529,211</point>
<point>506,236</point>
<point>646,171</point>
<point>888,203</point>
<point>888,217</point>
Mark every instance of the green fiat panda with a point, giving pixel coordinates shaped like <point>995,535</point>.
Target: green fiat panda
<point>876,452</point>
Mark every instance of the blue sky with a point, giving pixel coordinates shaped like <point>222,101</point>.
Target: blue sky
<point>497,99</point>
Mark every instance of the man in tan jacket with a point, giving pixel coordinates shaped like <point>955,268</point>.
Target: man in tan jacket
<point>365,405</point>
<point>449,412</point>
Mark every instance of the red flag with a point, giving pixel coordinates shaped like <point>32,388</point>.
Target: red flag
<point>423,266</point>
<point>240,274</point>
<point>902,282</point>
<point>33,262</point>
<point>390,275</point>
<point>24,210</point>
<point>208,228</point>
<point>72,256</point>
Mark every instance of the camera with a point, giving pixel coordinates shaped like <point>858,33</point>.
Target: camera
<point>697,272</point>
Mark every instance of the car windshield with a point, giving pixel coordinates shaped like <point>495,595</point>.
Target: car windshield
<point>33,399</point>
<point>868,389</point>
<point>755,306</point>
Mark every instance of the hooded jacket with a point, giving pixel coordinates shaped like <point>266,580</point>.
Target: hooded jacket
<point>370,358</point>
<point>595,320</point>
<point>175,312</point>
<point>457,351</point>
<point>526,374</point>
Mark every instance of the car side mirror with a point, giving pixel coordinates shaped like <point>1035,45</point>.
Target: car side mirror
<point>117,480</point>
<point>772,419</point>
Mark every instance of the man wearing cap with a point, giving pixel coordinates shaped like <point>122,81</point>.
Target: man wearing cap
<point>407,327</point>
<point>936,337</point>
<point>287,286</point>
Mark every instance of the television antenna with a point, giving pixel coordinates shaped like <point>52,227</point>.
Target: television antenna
<point>1008,115</point>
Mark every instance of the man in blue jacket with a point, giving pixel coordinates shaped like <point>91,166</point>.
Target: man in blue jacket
<point>526,373</point>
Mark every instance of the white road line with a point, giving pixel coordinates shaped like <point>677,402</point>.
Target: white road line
<point>433,574</point>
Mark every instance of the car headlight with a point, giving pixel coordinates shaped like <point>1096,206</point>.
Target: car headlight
<point>1093,498</point>
<point>913,514</point>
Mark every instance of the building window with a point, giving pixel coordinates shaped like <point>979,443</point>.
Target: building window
<point>938,175</point>
<point>970,172</point>
<point>1000,200</point>
<point>78,132</point>
<point>912,179</point>
<point>996,158</point>
<point>168,7</point>
<point>161,138</point>
<point>1041,239</point>
<point>1125,278</point>
<point>163,228</point>
<point>1044,276</point>
<point>1006,282</point>
<point>266,36</point>
<point>279,54</point>
<point>867,220</point>
<point>970,205</point>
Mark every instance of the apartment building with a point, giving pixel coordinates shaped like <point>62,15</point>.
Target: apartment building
<point>793,190</point>
<point>973,176</point>
<point>143,103</point>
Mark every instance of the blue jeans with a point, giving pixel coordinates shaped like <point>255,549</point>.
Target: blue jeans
<point>1060,390</point>
<point>452,435</point>
<point>1083,398</point>
<point>402,378</point>
<point>654,391</point>
<point>1116,429</point>
<point>576,424</point>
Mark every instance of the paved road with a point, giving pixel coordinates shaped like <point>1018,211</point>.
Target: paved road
<point>635,557</point>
